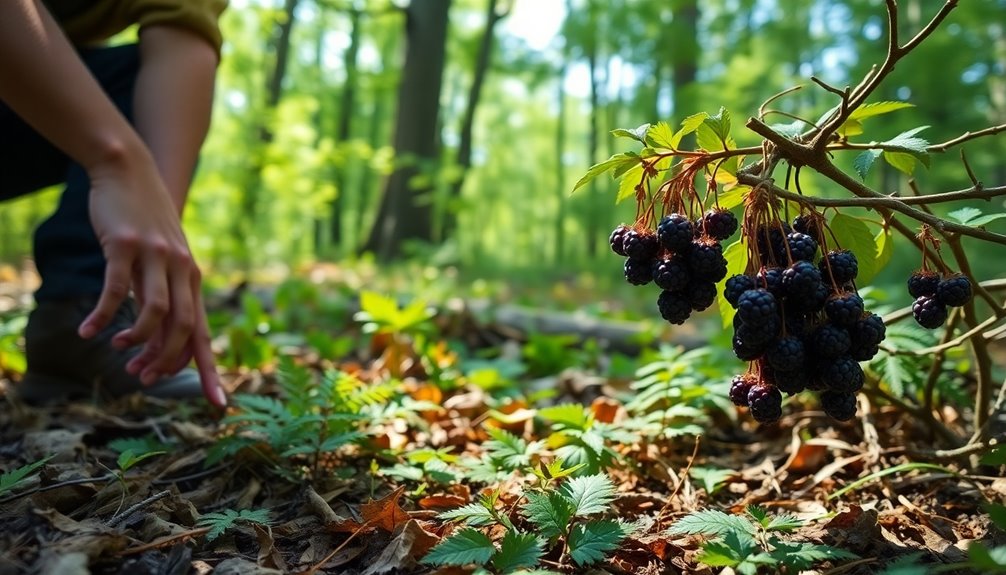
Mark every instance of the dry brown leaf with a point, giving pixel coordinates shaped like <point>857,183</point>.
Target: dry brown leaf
<point>606,409</point>
<point>239,566</point>
<point>268,555</point>
<point>408,543</point>
<point>443,501</point>
<point>385,512</point>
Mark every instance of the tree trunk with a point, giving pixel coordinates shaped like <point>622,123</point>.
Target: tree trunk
<point>560,168</point>
<point>592,224</point>
<point>346,104</point>
<point>684,36</point>
<point>403,213</point>
<point>464,158</point>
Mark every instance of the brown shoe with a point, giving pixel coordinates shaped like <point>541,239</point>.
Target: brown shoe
<point>62,365</point>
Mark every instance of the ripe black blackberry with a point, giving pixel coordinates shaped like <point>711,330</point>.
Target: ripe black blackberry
<point>866,335</point>
<point>790,382</point>
<point>673,307</point>
<point>765,402</point>
<point>701,294</point>
<point>671,273</point>
<point>812,302</point>
<point>759,333</point>
<point>801,246</point>
<point>735,286</point>
<point>706,261</point>
<point>801,280</point>
<point>807,224</point>
<point>771,242</point>
<point>638,272</point>
<point>786,354</point>
<point>757,306</point>
<point>838,405</point>
<point>843,375</point>
<point>844,309</point>
<point>718,223</point>
<point>642,246</point>
<point>923,283</point>
<point>829,341</point>
<point>929,312</point>
<point>770,279</point>
<point>745,350</point>
<point>954,291</point>
<point>616,238</point>
<point>840,266</point>
<point>675,232</point>
<point>740,385</point>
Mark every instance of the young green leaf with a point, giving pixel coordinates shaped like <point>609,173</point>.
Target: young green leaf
<point>802,556</point>
<point>610,164</point>
<point>759,514</point>
<point>853,125</point>
<point>588,542</point>
<point>569,415</point>
<point>784,523</point>
<point>660,135</point>
<point>711,522</point>
<point>557,469</point>
<point>730,551</point>
<point>637,134</point>
<point>627,185</point>
<point>736,255</point>
<point>518,550</point>
<point>864,162</point>
<point>475,514</point>
<point>589,494</point>
<point>973,217</point>
<point>512,451</point>
<point>853,234</point>
<point>144,444</point>
<point>885,248</point>
<point>220,522</point>
<point>127,459</point>
<point>689,125</point>
<point>712,479</point>
<point>10,479</point>
<point>549,512</point>
<point>467,546</point>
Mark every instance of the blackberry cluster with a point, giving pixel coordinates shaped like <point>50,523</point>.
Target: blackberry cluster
<point>934,293</point>
<point>801,323</point>
<point>683,258</point>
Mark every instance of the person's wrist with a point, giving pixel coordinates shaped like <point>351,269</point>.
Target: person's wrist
<point>116,154</point>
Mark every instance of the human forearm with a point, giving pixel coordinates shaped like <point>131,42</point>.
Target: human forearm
<point>173,102</point>
<point>44,81</point>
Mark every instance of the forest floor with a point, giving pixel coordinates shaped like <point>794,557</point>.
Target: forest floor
<point>436,414</point>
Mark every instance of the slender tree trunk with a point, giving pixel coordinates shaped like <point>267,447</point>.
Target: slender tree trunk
<point>347,100</point>
<point>560,167</point>
<point>593,138</point>
<point>684,36</point>
<point>464,158</point>
<point>403,214</point>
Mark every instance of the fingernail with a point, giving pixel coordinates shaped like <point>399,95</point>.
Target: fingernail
<point>220,398</point>
<point>87,331</point>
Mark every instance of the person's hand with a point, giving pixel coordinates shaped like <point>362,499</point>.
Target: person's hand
<point>146,251</point>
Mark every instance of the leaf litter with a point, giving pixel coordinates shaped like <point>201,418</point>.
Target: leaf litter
<point>362,465</point>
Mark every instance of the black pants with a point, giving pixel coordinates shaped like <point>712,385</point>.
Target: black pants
<point>67,253</point>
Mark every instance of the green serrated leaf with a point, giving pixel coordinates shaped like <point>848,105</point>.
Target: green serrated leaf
<point>589,494</point>
<point>712,479</point>
<point>610,164</point>
<point>549,512</point>
<point>736,255</point>
<point>784,523</point>
<point>474,514</point>
<point>588,542</point>
<point>864,162</point>
<point>884,241</point>
<point>689,125</point>
<point>222,521</point>
<point>637,134</point>
<point>660,135</point>
<point>789,131</point>
<point>964,215</point>
<point>511,451</point>
<point>10,479</point>
<point>518,550</point>
<point>853,125</point>
<point>569,415</point>
<point>127,459</point>
<point>627,185</point>
<point>853,234</point>
<point>986,219</point>
<point>760,515</point>
<point>711,522</point>
<point>900,161</point>
<point>802,556</point>
<point>466,547</point>
<point>717,554</point>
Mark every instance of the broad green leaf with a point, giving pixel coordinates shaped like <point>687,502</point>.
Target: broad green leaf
<point>610,164</point>
<point>853,125</point>
<point>589,494</point>
<point>736,255</point>
<point>904,163</point>
<point>142,444</point>
<point>475,514</point>
<point>11,478</point>
<point>127,459</point>
<point>964,215</point>
<point>465,547</point>
<point>549,512</point>
<point>995,457</point>
<point>864,162</point>
<point>784,523</point>
<point>711,522</point>
<point>689,125</point>
<point>986,219</point>
<point>712,479</point>
<point>510,450</point>
<point>789,131</point>
<point>853,234</point>
<point>997,513</point>
<point>627,185</point>
<point>660,135</point>
<point>885,248</point>
<point>760,515</point>
<point>720,124</point>
<point>717,554</point>
<point>572,415</point>
<point>637,134</point>
<point>518,550</point>
<point>987,561</point>
<point>707,139</point>
<point>909,149</point>
<point>588,542</point>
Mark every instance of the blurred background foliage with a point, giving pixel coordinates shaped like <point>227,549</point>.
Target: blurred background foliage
<point>449,133</point>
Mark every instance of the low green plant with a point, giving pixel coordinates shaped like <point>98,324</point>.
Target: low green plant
<point>579,439</point>
<point>750,547</point>
<point>561,512</point>
<point>11,479</point>
<point>317,415</point>
<point>222,521</point>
